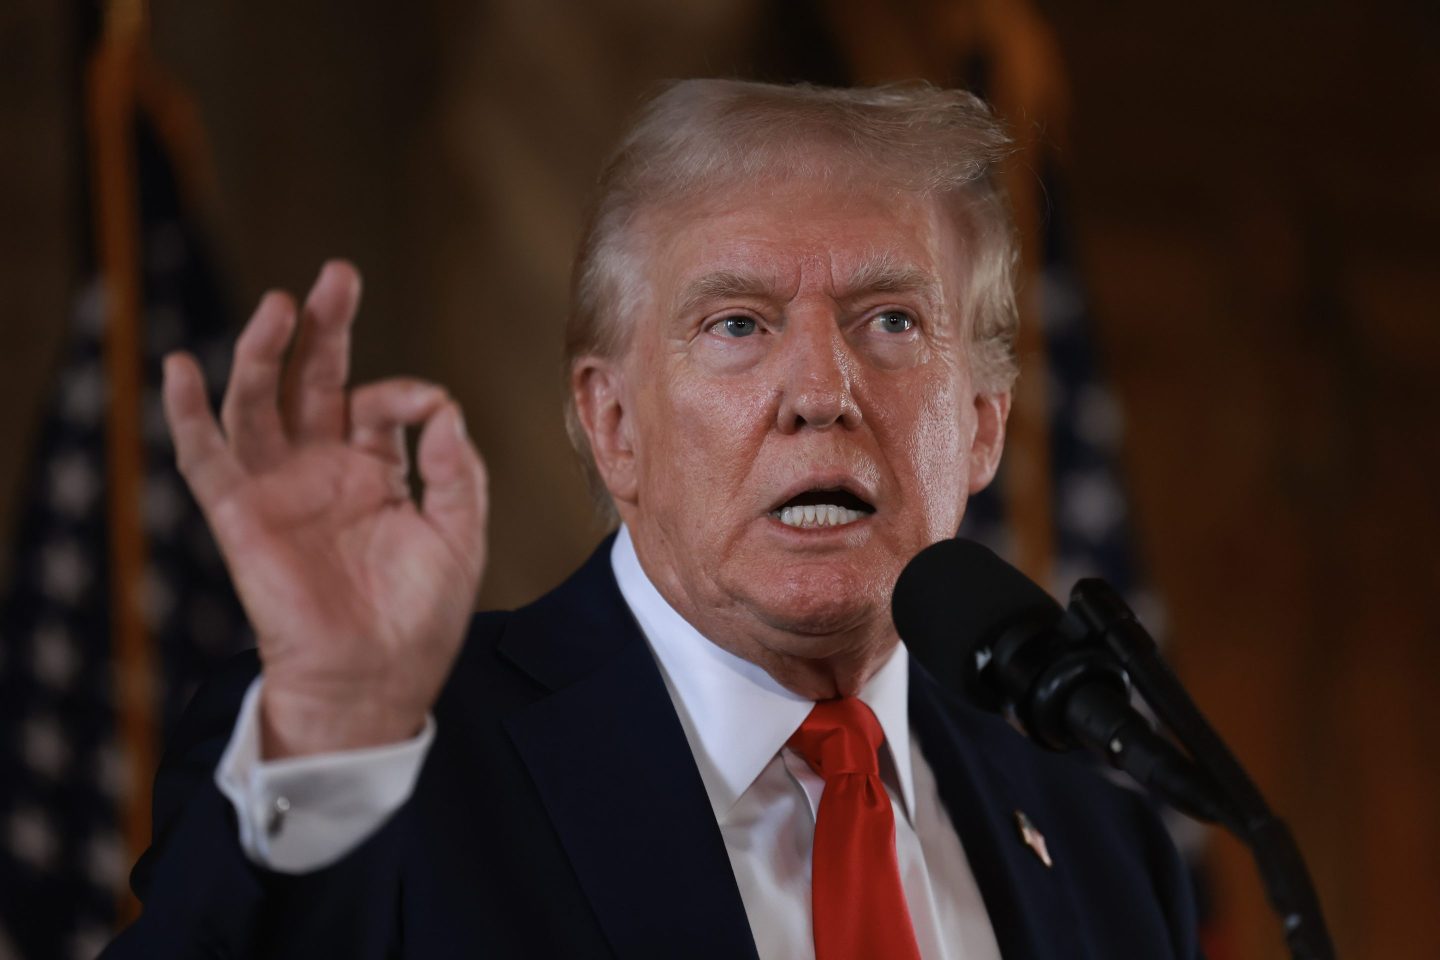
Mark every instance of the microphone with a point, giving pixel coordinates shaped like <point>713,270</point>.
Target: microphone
<point>998,640</point>
<point>995,638</point>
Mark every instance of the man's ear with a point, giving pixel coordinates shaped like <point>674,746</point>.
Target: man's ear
<point>992,410</point>
<point>602,404</point>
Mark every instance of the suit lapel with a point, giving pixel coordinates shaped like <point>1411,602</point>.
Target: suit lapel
<point>1028,907</point>
<point>614,771</point>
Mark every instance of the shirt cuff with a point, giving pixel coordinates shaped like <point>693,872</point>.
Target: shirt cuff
<point>305,813</point>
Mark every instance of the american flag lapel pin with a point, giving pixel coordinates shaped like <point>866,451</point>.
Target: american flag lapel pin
<point>1032,838</point>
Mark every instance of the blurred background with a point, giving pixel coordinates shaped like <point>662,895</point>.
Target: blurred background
<point>1231,215</point>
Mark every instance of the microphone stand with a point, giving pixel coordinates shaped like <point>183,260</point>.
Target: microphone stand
<point>1243,810</point>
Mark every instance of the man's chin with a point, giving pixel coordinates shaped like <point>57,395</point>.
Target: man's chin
<point>820,605</point>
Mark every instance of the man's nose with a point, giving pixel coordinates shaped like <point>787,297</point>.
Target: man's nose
<point>818,372</point>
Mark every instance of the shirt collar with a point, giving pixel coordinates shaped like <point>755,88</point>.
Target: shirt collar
<point>735,715</point>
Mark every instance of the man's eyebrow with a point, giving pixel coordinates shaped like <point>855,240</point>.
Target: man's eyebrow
<point>876,275</point>
<point>887,275</point>
<point>722,285</point>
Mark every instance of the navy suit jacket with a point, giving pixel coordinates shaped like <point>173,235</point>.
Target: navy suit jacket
<point>560,814</point>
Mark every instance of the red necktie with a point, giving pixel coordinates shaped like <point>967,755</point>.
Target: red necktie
<point>856,898</point>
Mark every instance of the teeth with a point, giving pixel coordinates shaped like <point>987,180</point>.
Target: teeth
<point>820,515</point>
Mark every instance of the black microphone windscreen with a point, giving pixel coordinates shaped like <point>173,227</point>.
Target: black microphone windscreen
<point>955,596</point>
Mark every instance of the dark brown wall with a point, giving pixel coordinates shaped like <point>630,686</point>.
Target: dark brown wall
<point>36,236</point>
<point>1261,225</point>
<point>1258,217</point>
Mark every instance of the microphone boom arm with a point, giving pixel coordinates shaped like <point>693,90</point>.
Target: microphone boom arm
<point>1282,869</point>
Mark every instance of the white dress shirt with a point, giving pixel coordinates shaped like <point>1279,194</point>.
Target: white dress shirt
<point>302,814</point>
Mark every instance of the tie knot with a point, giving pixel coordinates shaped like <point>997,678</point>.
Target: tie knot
<point>840,736</point>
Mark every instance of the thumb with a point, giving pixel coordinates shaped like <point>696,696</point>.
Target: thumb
<point>456,498</point>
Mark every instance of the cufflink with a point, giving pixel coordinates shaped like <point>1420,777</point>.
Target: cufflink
<point>278,809</point>
<point>1032,838</point>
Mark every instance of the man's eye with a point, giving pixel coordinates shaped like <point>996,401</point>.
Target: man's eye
<point>893,321</point>
<point>736,326</point>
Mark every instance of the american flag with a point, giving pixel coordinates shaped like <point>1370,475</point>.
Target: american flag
<point>63,773</point>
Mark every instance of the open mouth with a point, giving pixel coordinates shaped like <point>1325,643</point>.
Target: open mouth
<point>833,507</point>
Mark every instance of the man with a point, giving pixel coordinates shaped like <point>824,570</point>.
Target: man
<point>790,353</point>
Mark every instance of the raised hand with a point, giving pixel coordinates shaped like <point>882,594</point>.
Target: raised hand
<point>359,597</point>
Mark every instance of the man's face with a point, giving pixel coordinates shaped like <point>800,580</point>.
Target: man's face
<point>797,416</point>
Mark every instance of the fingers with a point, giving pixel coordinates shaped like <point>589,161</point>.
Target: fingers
<point>456,496</point>
<point>251,411</point>
<point>200,450</point>
<point>320,365</point>
<point>380,412</point>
